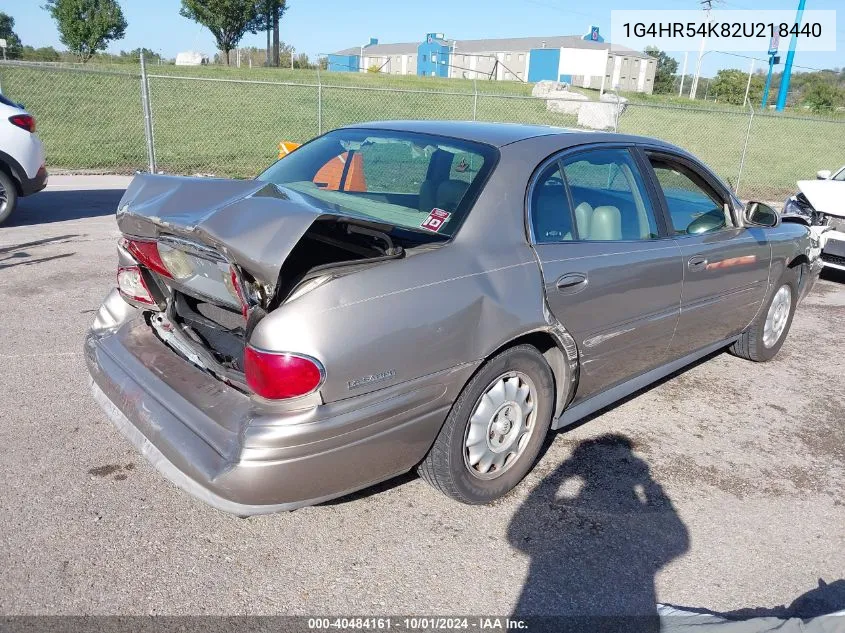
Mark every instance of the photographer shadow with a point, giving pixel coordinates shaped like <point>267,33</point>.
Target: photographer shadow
<point>597,530</point>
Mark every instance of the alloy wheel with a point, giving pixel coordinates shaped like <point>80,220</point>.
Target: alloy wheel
<point>777,316</point>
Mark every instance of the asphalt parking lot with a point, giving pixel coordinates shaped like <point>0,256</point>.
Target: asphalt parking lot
<point>720,488</point>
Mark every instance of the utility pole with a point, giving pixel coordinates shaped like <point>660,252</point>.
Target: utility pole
<point>276,36</point>
<point>790,56</point>
<point>708,5</point>
<point>748,85</point>
<point>683,74</point>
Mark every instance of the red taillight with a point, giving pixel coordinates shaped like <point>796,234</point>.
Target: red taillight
<point>277,375</point>
<point>23,121</point>
<point>146,253</point>
<point>130,282</point>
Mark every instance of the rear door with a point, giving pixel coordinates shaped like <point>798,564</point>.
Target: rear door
<point>726,266</point>
<point>612,275</point>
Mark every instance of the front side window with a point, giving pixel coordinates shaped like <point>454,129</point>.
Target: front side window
<point>609,197</point>
<point>398,178</point>
<point>693,205</point>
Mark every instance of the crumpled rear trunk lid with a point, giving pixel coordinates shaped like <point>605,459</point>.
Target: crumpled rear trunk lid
<point>249,222</point>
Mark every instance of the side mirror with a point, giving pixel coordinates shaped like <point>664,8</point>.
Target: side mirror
<point>823,174</point>
<point>760,214</point>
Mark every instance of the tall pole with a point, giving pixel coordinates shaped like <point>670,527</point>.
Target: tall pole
<point>694,88</point>
<point>790,56</point>
<point>748,85</point>
<point>683,74</point>
<point>765,102</point>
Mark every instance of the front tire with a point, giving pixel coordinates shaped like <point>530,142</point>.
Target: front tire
<point>493,434</point>
<point>765,336</point>
<point>8,196</point>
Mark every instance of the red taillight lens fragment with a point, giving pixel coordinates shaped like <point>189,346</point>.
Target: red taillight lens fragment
<point>23,121</point>
<point>279,376</point>
<point>146,253</point>
<point>236,284</point>
<point>131,284</point>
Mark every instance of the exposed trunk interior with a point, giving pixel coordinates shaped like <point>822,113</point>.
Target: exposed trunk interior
<point>329,247</point>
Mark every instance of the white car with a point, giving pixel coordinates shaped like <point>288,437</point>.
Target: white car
<point>22,169</point>
<point>820,204</point>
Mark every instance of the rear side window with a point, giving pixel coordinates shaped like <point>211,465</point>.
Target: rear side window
<point>550,213</point>
<point>609,196</point>
<point>8,102</point>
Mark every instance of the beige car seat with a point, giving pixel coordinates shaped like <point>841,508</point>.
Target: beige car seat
<point>606,224</point>
<point>583,217</point>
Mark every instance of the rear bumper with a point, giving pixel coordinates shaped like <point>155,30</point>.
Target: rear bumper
<point>30,186</point>
<point>246,456</point>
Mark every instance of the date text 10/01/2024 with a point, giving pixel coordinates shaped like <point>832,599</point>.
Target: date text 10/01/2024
<point>417,623</point>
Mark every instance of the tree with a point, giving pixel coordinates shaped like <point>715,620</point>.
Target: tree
<point>87,26</point>
<point>150,56</point>
<point>7,32</point>
<point>43,54</point>
<point>228,20</point>
<point>270,13</point>
<point>729,86</point>
<point>823,97</point>
<point>667,66</point>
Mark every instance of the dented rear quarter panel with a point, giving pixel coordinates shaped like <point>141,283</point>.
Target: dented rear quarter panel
<point>451,305</point>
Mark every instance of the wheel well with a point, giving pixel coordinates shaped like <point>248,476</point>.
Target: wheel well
<point>799,261</point>
<point>555,357</point>
<point>8,171</point>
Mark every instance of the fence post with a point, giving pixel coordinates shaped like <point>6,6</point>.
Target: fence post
<point>474,100</point>
<point>148,116</point>
<point>319,102</point>
<point>744,149</point>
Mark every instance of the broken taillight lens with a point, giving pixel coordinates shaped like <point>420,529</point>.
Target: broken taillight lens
<point>130,282</point>
<point>146,253</point>
<point>279,375</point>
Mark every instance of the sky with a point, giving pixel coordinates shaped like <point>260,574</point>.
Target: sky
<point>323,26</point>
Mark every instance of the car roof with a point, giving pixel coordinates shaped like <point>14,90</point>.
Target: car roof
<point>501,134</point>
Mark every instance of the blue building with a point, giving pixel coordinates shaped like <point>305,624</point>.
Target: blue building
<point>585,61</point>
<point>433,56</point>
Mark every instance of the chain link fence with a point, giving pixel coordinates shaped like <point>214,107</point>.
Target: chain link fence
<point>92,120</point>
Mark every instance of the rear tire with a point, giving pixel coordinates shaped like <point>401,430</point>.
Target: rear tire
<point>495,430</point>
<point>8,196</point>
<point>762,340</point>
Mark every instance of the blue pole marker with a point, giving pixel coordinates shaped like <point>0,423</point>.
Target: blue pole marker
<point>765,102</point>
<point>790,56</point>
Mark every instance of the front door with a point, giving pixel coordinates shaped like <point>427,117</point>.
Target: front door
<point>612,277</point>
<point>726,266</point>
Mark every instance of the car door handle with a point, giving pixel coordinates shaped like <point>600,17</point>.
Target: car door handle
<point>571,282</point>
<point>697,262</point>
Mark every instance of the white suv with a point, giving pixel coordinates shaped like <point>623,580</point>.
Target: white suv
<point>22,170</point>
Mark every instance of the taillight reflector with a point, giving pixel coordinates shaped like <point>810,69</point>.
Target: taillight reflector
<point>278,375</point>
<point>146,253</point>
<point>23,121</point>
<point>131,284</point>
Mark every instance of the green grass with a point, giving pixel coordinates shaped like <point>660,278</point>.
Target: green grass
<point>204,124</point>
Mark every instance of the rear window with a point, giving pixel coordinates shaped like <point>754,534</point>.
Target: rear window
<point>9,102</point>
<point>413,181</point>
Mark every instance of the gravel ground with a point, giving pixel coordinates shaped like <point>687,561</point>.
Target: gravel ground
<point>742,467</point>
